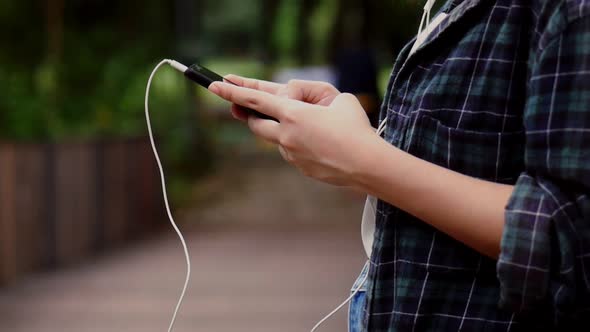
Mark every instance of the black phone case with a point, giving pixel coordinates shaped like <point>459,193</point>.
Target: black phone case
<point>205,77</point>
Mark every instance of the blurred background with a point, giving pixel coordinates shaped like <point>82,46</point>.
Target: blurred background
<point>84,241</point>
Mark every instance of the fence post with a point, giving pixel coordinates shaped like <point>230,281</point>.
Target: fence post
<point>75,198</point>
<point>59,203</point>
<point>29,208</point>
<point>115,193</point>
<point>8,270</point>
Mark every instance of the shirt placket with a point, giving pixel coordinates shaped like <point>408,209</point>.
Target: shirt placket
<point>401,128</point>
<point>405,60</point>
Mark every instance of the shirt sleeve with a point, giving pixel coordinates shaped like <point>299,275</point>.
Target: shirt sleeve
<point>545,248</point>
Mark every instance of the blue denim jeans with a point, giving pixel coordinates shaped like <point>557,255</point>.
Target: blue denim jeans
<point>358,302</point>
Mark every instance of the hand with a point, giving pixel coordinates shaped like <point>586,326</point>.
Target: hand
<point>312,92</point>
<point>320,130</point>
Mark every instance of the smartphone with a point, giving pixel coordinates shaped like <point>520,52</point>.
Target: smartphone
<point>205,77</point>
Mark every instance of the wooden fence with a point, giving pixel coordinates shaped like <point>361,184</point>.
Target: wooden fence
<point>61,203</point>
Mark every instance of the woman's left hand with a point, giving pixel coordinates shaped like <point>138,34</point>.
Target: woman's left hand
<point>324,142</point>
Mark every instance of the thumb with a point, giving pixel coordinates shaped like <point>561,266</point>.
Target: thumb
<point>346,101</point>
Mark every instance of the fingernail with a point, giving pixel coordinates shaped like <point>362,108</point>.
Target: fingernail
<point>215,88</point>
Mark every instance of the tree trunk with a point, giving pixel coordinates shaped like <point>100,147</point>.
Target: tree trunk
<point>303,37</point>
<point>267,22</point>
<point>55,29</point>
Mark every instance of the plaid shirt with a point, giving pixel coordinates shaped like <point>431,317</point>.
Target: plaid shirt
<point>499,91</point>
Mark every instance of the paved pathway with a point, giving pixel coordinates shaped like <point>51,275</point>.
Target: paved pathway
<point>274,253</point>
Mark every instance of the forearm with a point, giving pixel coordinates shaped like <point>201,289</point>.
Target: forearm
<point>467,209</point>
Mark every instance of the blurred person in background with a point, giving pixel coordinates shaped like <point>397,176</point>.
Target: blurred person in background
<point>356,71</point>
<point>357,74</point>
<point>482,172</point>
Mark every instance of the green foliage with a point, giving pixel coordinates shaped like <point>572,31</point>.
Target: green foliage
<point>285,31</point>
<point>230,26</point>
<point>93,87</point>
<point>22,117</point>
<point>86,84</point>
<point>321,23</point>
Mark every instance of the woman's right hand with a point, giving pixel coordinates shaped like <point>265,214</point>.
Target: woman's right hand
<point>311,92</point>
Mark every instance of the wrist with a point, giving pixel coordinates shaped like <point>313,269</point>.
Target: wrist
<point>366,161</point>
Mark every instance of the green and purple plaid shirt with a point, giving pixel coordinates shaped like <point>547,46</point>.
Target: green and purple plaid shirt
<point>499,91</point>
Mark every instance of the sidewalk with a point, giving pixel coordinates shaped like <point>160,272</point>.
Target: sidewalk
<point>274,253</point>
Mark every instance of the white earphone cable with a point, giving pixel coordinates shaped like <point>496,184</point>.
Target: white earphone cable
<point>341,304</point>
<point>380,129</point>
<point>157,156</point>
<point>171,218</point>
<point>425,21</point>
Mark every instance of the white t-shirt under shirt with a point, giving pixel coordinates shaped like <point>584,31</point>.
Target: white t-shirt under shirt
<point>370,210</point>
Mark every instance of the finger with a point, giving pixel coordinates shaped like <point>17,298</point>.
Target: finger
<point>253,83</point>
<point>265,129</point>
<point>260,101</point>
<point>284,153</point>
<point>298,90</point>
<point>345,101</point>
<point>239,113</point>
<point>313,92</point>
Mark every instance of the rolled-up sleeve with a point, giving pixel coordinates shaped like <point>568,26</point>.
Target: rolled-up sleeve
<point>545,248</point>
